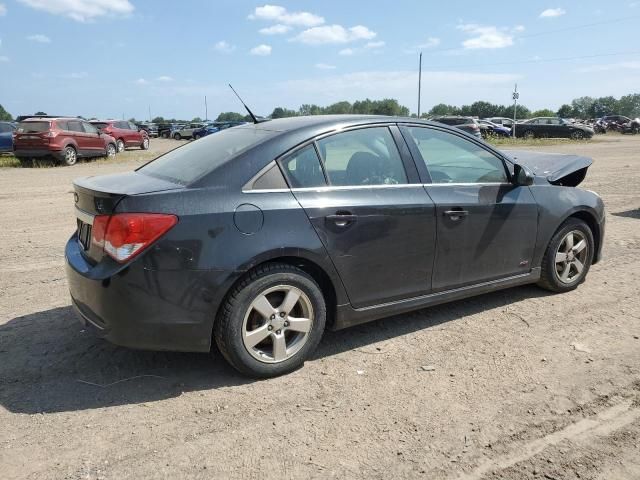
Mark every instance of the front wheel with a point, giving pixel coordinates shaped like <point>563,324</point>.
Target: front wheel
<point>271,322</point>
<point>568,257</point>
<point>577,134</point>
<point>529,135</point>
<point>111,150</point>
<point>197,136</point>
<point>120,146</point>
<point>145,144</point>
<point>177,136</point>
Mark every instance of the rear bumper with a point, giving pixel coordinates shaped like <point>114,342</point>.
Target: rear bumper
<point>140,308</point>
<point>38,153</point>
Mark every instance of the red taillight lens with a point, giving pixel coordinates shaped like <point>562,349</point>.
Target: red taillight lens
<point>125,235</point>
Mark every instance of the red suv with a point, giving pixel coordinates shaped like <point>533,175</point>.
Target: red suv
<point>63,139</point>
<point>126,134</point>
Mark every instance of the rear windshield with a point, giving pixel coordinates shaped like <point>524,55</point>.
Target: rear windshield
<point>32,127</point>
<point>186,164</point>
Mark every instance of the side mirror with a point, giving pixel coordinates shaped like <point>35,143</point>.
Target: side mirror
<point>522,176</point>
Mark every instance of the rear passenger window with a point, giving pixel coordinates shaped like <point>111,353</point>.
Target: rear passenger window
<point>368,156</point>
<point>75,126</point>
<point>453,159</point>
<point>303,169</point>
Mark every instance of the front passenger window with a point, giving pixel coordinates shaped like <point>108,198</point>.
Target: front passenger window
<point>453,159</point>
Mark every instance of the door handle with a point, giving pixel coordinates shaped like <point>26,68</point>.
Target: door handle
<point>456,215</point>
<point>341,219</point>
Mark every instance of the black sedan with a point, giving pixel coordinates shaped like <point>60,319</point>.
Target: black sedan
<point>552,127</point>
<point>261,236</point>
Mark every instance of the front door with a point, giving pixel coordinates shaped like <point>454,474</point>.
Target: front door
<point>486,226</point>
<point>376,221</point>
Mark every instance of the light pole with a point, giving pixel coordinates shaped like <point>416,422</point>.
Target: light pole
<point>419,82</point>
<point>516,96</point>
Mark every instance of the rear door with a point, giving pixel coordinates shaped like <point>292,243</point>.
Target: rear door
<point>81,138</point>
<point>486,226</point>
<point>95,142</point>
<point>365,202</point>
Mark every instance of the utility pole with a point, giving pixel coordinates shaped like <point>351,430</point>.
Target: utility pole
<point>516,95</point>
<point>149,113</point>
<point>419,82</point>
<point>206,109</point>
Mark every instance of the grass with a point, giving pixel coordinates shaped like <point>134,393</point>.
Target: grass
<point>9,161</point>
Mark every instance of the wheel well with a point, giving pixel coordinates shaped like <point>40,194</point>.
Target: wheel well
<point>315,271</point>
<point>590,220</point>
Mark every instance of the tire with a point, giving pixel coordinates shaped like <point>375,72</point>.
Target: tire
<point>577,135</point>
<point>111,150</point>
<point>165,135</point>
<point>270,282</point>
<point>120,145</point>
<point>197,136</point>
<point>635,129</point>
<point>70,156</point>
<point>528,134</point>
<point>145,143</point>
<point>553,267</point>
<point>177,136</point>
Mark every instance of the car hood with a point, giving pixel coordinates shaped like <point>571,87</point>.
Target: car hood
<point>558,169</point>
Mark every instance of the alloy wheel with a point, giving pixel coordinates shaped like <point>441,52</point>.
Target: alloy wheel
<point>120,145</point>
<point>70,156</point>
<point>571,256</point>
<point>577,135</point>
<point>277,324</point>
<point>145,143</point>
<point>111,150</point>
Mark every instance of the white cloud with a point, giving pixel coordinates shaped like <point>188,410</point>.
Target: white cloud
<point>4,58</point>
<point>325,66</point>
<point>261,50</point>
<point>38,37</point>
<point>142,81</point>
<point>334,34</point>
<point>3,9</point>
<point>224,47</point>
<point>277,29</point>
<point>485,36</point>
<point>164,78</point>
<point>346,52</point>
<point>81,10</point>
<point>281,15</point>
<point>630,65</point>
<point>553,12</point>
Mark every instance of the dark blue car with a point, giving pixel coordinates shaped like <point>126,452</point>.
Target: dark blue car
<point>213,128</point>
<point>6,136</point>
<point>489,128</point>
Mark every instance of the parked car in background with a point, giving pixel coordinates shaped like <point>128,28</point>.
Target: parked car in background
<point>351,218</point>
<point>468,124</point>
<point>552,127</point>
<point>165,129</point>
<point>490,129</point>
<point>186,131</point>
<point>64,140</point>
<point>504,121</point>
<point>150,128</point>
<point>620,123</point>
<point>632,127</point>
<point>213,128</point>
<point>6,136</point>
<point>126,133</point>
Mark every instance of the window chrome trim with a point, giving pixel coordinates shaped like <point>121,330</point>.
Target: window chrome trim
<point>462,184</point>
<point>85,217</point>
<point>331,188</point>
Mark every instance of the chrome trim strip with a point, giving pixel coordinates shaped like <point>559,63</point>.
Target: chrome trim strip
<point>331,188</point>
<point>84,216</point>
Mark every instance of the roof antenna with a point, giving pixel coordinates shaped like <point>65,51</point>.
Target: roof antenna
<point>253,117</point>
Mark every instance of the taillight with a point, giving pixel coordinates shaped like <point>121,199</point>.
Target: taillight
<point>124,235</point>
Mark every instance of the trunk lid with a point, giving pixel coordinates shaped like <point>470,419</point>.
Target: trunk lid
<point>557,168</point>
<point>100,196</point>
<point>32,135</point>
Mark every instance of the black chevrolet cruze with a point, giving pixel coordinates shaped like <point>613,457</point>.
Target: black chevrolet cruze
<point>261,236</point>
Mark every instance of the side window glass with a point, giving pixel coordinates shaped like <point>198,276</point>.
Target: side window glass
<point>89,128</point>
<point>303,169</point>
<point>453,159</point>
<point>132,126</point>
<point>75,126</point>
<point>368,156</point>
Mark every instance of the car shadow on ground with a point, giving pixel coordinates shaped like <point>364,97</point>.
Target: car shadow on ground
<point>49,363</point>
<point>633,213</point>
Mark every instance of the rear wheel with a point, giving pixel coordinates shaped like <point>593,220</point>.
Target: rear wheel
<point>70,156</point>
<point>271,322</point>
<point>145,144</point>
<point>120,145</point>
<point>577,134</point>
<point>529,134</point>
<point>177,136</point>
<point>568,257</point>
<point>197,136</point>
<point>165,135</point>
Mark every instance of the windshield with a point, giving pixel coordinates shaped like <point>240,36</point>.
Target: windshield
<point>32,127</point>
<point>186,164</point>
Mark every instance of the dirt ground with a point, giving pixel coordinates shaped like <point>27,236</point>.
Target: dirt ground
<point>520,384</point>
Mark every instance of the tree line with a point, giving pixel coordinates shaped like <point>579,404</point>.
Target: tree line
<point>582,107</point>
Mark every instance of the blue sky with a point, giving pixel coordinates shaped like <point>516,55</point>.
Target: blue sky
<point>110,58</point>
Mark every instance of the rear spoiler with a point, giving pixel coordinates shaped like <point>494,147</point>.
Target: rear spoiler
<point>557,168</point>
